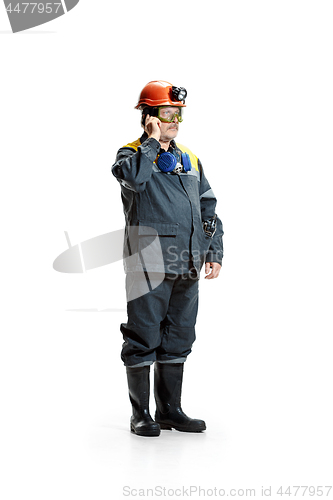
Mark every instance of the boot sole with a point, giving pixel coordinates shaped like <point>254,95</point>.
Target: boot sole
<point>148,433</point>
<point>168,427</point>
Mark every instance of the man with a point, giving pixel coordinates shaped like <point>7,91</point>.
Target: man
<point>164,193</point>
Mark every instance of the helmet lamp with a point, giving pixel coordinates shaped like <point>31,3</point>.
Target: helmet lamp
<point>179,93</point>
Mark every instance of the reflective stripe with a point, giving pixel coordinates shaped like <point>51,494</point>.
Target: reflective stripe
<point>133,145</point>
<point>191,172</point>
<point>193,158</point>
<point>144,363</point>
<point>177,360</point>
<point>208,194</point>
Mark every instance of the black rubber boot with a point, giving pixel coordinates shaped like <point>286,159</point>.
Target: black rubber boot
<point>138,388</point>
<point>168,378</point>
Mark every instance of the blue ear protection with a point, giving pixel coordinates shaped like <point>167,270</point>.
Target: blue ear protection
<point>186,162</point>
<point>167,162</point>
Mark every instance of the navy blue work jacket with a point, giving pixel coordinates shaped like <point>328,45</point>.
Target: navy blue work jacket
<point>173,205</point>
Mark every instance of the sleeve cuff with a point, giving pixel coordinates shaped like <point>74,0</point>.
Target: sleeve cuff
<point>150,144</point>
<point>213,257</point>
<point>150,148</point>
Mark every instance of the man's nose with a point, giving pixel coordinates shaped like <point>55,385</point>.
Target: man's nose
<point>175,119</point>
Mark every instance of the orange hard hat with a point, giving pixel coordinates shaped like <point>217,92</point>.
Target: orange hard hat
<point>160,93</point>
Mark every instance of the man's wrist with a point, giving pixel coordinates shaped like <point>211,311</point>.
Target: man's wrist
<point>211,258</point>
<point>153,136</point>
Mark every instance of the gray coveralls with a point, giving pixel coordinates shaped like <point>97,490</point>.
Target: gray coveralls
<point>162,311</point>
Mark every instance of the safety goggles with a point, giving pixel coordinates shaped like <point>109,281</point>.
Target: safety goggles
<point>168,114</point>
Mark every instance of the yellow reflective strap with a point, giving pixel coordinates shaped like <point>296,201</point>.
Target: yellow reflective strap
<point>193,158</point>
<point>133,145</point>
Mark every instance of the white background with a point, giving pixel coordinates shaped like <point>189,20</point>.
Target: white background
<point>259,115</point>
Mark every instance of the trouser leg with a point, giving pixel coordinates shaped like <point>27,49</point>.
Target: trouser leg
<point>161,323</point>
<point>178,326</point>
<point>142,332</point>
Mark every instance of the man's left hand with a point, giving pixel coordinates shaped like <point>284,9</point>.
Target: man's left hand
<point>214,268</point>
